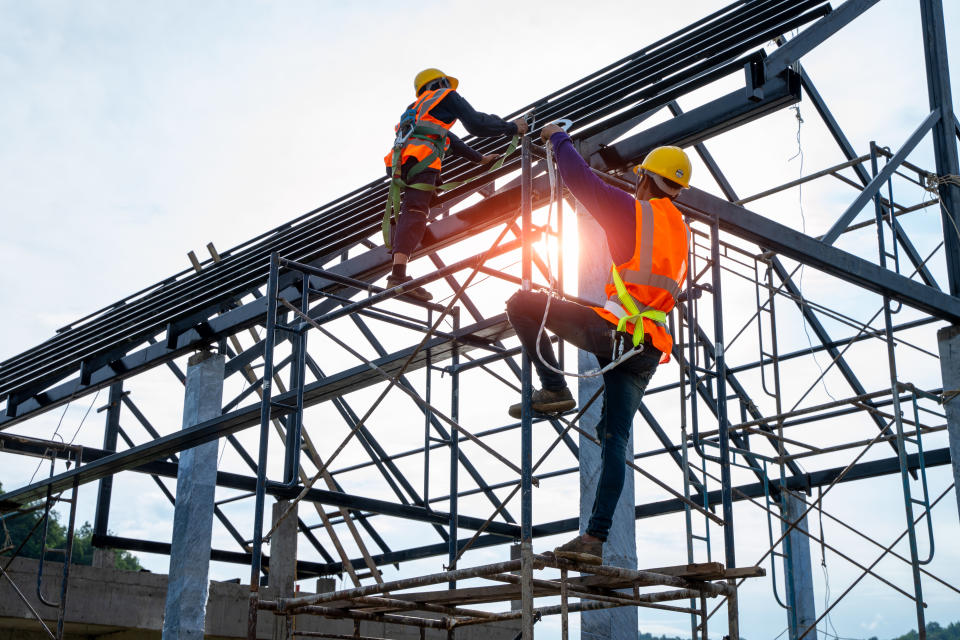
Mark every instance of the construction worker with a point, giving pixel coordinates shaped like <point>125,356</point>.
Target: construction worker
<point>647,238</point>
<point>437,108</point>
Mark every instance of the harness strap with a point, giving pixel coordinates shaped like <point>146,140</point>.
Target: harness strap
<point>397,185</point>
<point>630,312</point>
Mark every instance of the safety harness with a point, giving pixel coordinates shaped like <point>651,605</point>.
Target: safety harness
<point>633,312</point>
<point>618,354</point>
<point>411,126</point>
<point>625,307</point>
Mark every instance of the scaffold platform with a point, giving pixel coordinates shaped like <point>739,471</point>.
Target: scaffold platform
<point>596,587</point>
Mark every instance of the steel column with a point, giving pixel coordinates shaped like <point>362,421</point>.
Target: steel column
<point>798,574</point>
<point>721,399</point>
<point>265,418</point>
<point>620,548</point>
<point>454,448</point>
<point>948,339</point>
<point>944,140</point>
<point>526,422</point>
<point>102,516</point>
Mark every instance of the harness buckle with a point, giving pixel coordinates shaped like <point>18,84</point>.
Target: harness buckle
<point>403,135</point>
<point>621,343</point>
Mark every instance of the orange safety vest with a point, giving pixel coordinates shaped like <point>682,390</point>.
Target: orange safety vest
<point>656,272</point>
<point>421,150</point>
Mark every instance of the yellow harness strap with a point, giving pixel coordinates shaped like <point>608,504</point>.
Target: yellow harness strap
<point>635,315</point>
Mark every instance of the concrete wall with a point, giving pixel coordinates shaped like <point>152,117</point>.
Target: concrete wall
<point>128,605</point>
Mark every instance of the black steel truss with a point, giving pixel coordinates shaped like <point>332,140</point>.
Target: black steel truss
<point>191,310</point>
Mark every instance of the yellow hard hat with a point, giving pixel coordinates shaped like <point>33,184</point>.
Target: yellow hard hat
<point>671,163</point>
<point>428,75</point>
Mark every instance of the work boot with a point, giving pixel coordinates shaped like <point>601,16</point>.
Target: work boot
<point>418,293</point>
<point>547,401</point>
<point>580,550</point>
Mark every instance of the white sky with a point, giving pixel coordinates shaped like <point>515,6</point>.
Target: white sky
<point>131,133</point>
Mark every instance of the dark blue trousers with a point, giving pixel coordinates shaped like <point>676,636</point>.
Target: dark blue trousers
<point>623,386</point>
<point>414,209</point>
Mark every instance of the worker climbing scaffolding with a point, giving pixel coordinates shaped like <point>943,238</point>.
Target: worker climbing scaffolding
<point>414,162</point>
<point>648,242</point>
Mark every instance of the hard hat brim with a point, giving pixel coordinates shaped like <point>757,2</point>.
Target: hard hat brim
<point>454,83</point>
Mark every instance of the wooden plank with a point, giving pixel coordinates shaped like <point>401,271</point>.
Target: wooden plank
<point>745,572</point>
<point>696,571</point>
<point>705,571</point>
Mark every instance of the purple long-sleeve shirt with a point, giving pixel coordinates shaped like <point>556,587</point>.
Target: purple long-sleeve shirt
<point>613,209</point>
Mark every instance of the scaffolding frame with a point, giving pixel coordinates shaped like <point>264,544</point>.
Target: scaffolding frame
<point>705,379</point>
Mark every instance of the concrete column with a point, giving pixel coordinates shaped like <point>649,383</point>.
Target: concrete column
<point>104,558</point>
<point>193,515</point>
<point>620,549</point>
<point>798,571</point>
<point>515,605</point>
<point>949,340</point>
<point>283,563</point>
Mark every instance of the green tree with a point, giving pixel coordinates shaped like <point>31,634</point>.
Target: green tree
<point>28,525</point>
<point>935,632</point>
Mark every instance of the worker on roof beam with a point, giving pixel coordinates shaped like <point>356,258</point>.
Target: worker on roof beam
<point>648,243</point>
<point>423,138</point>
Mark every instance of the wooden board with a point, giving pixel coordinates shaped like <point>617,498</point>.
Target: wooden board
<point>745,572</point>
<point>705,571</point>
<point>697,571</point>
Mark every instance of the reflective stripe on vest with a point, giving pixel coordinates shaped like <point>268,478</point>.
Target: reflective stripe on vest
<point>637,292</point>
<point>430,131</point>
<point>633,311</point>
<point>616,309</point>
<point>644,276</point>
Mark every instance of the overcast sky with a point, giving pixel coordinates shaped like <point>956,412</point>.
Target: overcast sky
<point>134,132</point>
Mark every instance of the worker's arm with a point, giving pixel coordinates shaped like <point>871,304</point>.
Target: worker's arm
<point>475,122</point>
<point>461,149</point>
<point>613,209</point>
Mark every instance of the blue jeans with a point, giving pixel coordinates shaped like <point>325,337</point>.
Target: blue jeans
<point>622,393</point>
<point>623,386</point>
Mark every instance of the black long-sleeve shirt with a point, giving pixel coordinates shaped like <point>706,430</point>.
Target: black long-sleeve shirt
<point>455,107</point>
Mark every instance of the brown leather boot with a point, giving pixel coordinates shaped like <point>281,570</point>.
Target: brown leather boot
<point>580,550</point>
<point>546,401</point>
<point>418,293</point>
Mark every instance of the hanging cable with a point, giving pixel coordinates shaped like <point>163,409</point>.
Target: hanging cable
<point>625,354</point>
<point>932,187</point>
<point>828,621</point>
<point>803,227</point>
<point>56,432</point>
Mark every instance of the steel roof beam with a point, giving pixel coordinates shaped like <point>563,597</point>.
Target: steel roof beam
<point>369,266</point>
<point>815,34</point>
<point>678,64</point>
<point>795,245</point>
<point>704,122</point>
<point>334,386</point>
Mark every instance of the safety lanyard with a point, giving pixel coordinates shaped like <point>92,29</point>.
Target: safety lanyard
<point>397,185</point>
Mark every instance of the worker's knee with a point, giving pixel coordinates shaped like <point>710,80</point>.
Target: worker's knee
<point>416,207</point>
<point>409,232</point>
<point>416,202</point>
<point>514,302</point>
<point>523,304</point>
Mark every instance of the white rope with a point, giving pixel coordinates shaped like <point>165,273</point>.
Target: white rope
<point>592,373</point>
<point>933,183</point>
